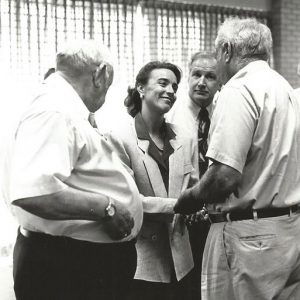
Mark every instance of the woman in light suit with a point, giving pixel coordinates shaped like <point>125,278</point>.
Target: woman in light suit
<point>163,165</point>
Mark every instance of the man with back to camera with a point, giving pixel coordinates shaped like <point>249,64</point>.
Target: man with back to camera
<point>253,181</point>
<point>193,118</point>
<point>78,208</point>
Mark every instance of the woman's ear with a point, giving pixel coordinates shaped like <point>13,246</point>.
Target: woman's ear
<point>99,75</point>
<point>140,89</point>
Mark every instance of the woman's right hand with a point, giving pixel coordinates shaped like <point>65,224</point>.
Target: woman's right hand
<point>199,216</point>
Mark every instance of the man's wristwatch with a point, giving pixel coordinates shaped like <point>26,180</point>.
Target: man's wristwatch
<point>110,210</point>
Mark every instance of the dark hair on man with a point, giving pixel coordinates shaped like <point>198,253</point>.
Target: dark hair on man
<point>201,55</point>
<point>133,101</point>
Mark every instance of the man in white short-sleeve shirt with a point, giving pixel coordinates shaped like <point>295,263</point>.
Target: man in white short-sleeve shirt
<point>253,182</point>
<point>78,208</point>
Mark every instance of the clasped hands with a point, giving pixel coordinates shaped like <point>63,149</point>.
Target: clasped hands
<point>120,225</point>
<point>197,217</point>
<point>188,205</point>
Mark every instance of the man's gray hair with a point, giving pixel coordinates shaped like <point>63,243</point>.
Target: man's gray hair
<point>77,56</point>
<point>201,55</point>
<point>249,38</point>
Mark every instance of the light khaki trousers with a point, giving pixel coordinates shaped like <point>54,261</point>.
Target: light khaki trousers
<point>253,260</point>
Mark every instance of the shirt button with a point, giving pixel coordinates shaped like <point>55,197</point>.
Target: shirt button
<point>154,237</point>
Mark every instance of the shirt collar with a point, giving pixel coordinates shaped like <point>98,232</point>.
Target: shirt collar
<point>195,109</point>
<point>250,67</point>
<point>74,102</point>
<point>142,131</point>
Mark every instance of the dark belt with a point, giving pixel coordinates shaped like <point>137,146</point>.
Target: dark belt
<point>63,239</point>
<point>42,236</point>
<point>239,215</point>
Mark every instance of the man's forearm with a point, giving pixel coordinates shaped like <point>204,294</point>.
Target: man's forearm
<point>217,184</point>
<point>69,204</point>
<point>214,187</point>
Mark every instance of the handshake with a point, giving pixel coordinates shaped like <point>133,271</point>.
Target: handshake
<point>189,201</point>
<point>190,205</point>
<point>199,216</point>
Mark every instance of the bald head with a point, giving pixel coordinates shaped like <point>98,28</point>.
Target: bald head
<point>87,66</point>
<point>79,56</point>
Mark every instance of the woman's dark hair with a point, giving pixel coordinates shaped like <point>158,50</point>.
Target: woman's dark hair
<point>133,102</point>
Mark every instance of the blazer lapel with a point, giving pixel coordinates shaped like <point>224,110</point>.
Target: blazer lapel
<point>176,167</point>
<point>143,145</point>
<point>152,170</point>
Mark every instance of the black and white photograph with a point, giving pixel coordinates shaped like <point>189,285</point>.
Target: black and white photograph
<point>150,150</point>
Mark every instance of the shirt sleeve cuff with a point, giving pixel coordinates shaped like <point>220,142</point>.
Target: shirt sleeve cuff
<point>224,159</point>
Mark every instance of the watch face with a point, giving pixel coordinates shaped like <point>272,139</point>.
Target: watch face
<point>111,211</point>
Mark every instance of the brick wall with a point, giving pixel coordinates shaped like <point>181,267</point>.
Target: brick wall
<point>285,24</point>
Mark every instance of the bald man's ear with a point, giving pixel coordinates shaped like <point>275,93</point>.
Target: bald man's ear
<point>99,76</point>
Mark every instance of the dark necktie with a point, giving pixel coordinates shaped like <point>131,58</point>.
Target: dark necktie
<point>203,129</point>
<point>92,120</point>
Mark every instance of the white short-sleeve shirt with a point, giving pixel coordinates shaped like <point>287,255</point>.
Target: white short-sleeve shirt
<point>55,147</point>
<point>255,130</point>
